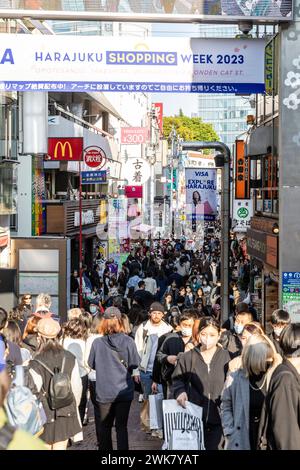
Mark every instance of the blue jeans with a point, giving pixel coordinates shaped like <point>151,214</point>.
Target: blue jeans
<point>146,381</point>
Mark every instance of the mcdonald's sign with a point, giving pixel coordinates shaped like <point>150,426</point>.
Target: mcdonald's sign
<point>65,149</point>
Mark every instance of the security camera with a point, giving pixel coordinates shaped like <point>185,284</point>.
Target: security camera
<point>245,26</point>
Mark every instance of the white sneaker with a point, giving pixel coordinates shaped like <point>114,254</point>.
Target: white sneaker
<point>141,398</point>
<point>157,433</point>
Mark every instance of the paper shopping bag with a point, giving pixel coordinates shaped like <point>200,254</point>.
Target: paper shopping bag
<point>156,411</point>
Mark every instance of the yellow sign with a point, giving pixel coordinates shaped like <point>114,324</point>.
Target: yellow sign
<point>63,147</point>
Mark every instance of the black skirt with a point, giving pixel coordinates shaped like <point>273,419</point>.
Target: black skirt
<point>61,429</point>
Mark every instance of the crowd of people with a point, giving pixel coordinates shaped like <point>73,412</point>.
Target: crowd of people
<point>153,326</point>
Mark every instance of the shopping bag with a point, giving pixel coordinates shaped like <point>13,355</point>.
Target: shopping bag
<point>156,411</point>
<point>181,439</point>
<point>183,427</point>
<point>144,416</point>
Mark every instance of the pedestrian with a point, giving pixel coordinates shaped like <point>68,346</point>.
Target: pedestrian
<point>30,336</point>
<point>189,297</point>
<point>74,288</point>
<point>232,341</point>
<point>199,377</point>
<point>244,393</point>
<point>174,344</point>
<point>113,356</point>
<point>11,438</point>
<point>25,309</point>
<point>161,281</point>
<point>63,423</point>
<point>146,340</point>
<point>12,333</point>
<point>94,334</point>
<point>250,329</point>
<point>75,334</point>
<point>280,319</point>
<point>280,423</point>
<point>14,356</point>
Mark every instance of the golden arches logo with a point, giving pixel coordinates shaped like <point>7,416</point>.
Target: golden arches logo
<point>63,147</point>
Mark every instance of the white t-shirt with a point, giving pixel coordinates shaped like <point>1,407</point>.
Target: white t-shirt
<point>77,347</point>
<point>150,285</point>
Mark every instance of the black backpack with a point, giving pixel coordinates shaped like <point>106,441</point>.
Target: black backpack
<point>60,393</point>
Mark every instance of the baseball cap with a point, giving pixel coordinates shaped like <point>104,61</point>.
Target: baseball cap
<point>156,307</point>
<point>2,355</point>
<point>112,312</point>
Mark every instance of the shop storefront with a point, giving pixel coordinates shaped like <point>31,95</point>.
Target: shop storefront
<point>262,245</point>
<point>62,217</point>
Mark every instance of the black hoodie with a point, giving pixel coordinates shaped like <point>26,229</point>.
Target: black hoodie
<point>202,385</point>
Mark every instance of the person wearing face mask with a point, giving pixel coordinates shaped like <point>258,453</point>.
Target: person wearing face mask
<point>199,377</point>
<point>174,344</point>
<point>244,393</point>
<point>280,319</point>
<point>189,297</point>
<point>232,340</point>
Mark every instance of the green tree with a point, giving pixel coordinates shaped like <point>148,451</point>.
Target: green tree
<point>189,128</point>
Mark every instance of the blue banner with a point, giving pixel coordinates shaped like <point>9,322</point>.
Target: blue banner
<point>93,177</point>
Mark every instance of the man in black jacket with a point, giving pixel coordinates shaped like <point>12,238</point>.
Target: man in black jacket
<point>144,296</point>
<point>174,344</point>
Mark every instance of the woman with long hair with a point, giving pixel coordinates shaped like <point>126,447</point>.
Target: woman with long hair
<point>30,336</point>
<point>113,357</point>
<point>12,332</point>
<point>62,423</point>
<point>244,393</point>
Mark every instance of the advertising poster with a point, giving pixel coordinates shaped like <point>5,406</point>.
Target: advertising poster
<point>291,294</point>
<point>201,195</point>
<point>117,216</point>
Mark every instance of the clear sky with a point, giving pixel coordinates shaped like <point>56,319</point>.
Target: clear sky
<point>188,102</point>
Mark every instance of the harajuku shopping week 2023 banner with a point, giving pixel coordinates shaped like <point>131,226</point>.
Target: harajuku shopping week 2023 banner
<point>125,64</point>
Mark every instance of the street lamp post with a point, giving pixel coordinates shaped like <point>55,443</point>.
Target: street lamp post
<point>225,214</point>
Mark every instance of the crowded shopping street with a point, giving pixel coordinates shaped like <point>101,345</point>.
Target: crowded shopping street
<point>149,238</point>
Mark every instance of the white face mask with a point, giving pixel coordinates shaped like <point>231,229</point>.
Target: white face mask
<point>238,328</point>
<point>93,310</point>
<point>208,342</point>
<point>186,331</point>
<point>278,331</point>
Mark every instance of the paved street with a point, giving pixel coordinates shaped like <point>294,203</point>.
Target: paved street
<point>138,440</point>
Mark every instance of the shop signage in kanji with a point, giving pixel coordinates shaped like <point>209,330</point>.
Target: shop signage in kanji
<point>93,177</point>
<point>137,171</point>
<point>94,157</point>
<point>158,108</point>
<point>242,213</point>
<point>242,173</point>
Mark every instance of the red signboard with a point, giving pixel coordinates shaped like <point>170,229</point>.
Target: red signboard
<point>94,157</point>
<point>134,191</point>
<point>242,172</point>
<point>67,149</point>
<point>159,114</point>
<point>134,135</point>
